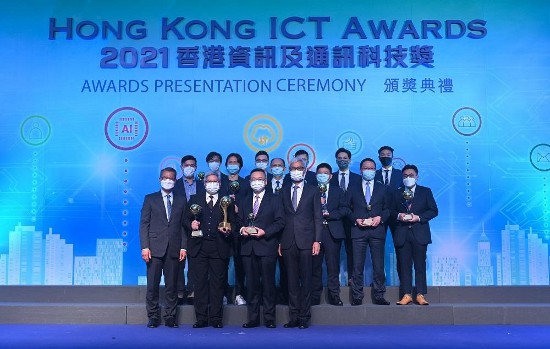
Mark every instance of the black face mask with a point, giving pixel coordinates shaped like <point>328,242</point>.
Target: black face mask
<point>385,160</point>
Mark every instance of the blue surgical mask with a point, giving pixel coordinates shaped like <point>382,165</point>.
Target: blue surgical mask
<point>277,171</point>
<point>368,175</point>
<point>322,178</point>
<point>233,168</point>
<point>214,166</point>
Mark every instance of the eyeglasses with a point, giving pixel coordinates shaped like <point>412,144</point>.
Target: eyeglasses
<point>297,168</point>
<point>411,175</point>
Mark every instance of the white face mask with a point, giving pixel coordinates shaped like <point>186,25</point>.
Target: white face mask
<point>409,182</point>
<point>167,184</point>
<point>189,171</point>
<point>212,187</point>
<point>297,175</point>
<point>257,185</point>
<point>214,166</point>
<point>261,165</point>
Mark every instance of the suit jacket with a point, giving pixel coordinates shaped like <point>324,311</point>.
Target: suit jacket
<point>304,225</point>
<point>354,179</point>
<point>158,234</point>
<point>179,187</point>
<point>380,206</point>
<point>223,242</point>
<point>396,178</point>
<point>423,205</point>
<point>270,218</point>
<point>338,208</point>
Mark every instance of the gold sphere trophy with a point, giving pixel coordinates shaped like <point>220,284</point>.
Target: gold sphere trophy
<point>195,211</point>
<point>324,211</point>
<point>234,186</point>
<point>251,229</point>
<point>225,202</point>
<point>200,176</point>
<point>407,196</point>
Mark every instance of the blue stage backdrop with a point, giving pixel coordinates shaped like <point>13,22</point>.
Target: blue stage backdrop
<point>97,96</point>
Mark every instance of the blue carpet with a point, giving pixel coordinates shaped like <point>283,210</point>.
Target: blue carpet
<point>138,336</point>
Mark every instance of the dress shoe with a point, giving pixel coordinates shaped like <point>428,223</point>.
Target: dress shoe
<point>270,324</point>
<point>356,301</point>
<point>303,326</point>
<point>251,324</point>
<point>152,323</point>
<point>421,300</point>
<point>291,324</point>
<point>381,301</point>
<point>407,299</point>
<point>336,301</point>
<point>217,324</point>
<point>200,324</point>
<point>171,323</point>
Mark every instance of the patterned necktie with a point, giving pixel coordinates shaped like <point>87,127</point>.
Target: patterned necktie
<point>256,205</point>
<point>343,182</point>
<point>211,202</point>
<point>386,181</point>
<point>168,206</point>
<point>367,192</point>
<point>278,187</point>
<point>295,198</point>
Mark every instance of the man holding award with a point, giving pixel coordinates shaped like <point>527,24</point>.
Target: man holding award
<point>413,207</point>
<point>371,208</point>
<point>300,240</point>
<point>208,218</point>
<point>261,217</point>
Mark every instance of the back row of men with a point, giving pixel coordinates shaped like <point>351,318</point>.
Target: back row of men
<point>298,219</point>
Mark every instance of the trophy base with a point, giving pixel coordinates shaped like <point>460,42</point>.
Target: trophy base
<point>408,217</point>
<point>367,222</point>
<point>225,226</point>
<point>251,231</point>
<point>196,234</point>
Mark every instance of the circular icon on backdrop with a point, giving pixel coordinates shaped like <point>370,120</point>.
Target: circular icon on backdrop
<point>467,121</point>
<point>126,128</point>
<point>302,146</point>
<point>398,163</point>
<point>35,130</point>
<point>540,157</point>
<point>351,141</point>
<point>263,132</point>
<point>171,161</point>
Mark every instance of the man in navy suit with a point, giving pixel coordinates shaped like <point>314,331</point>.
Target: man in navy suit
<point>261,217</point>
<point>344,178</point>
<point>210,252</point>
<point>163,245</point>
<point>370,204</point>
<point>334,208</point>
<point>300,241</point>
<point>412,234</point>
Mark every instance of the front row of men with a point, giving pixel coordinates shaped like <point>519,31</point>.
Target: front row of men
<point>301,222</point>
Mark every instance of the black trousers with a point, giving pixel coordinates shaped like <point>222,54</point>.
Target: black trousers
<point>210,278</point>
<point>330,253</point>
<point>260,285</point>
<point>298,267</point>
<point>155,268</point>
<point>412,253</point>
<point>377,247</point>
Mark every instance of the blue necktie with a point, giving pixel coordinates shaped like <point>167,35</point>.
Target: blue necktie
<point>367,193</point>
<point>295,198</point>
<point>168,206</point>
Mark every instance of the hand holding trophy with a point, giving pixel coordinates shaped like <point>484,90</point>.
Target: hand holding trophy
<point>195,211</point>
<point>225,226</point>
<point>251,229</point>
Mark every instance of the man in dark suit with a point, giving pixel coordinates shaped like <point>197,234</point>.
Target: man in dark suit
<point>209,252</point>
<point>188,186</point>
<point>309,176</point>
<point>163,245</point>
<point>261,218</point>
<point>370,205</point>
<point>412,233</point>
<point>334,208</point>
<point>392,179</point>
<point>299,241</point>
<point>344,178</point>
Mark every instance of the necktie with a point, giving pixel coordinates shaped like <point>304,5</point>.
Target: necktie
<point>295,198</point>
<point>386,181</point>
<point>367,192</point>
<point>211,202</point>
<point>256,205</point>
<point>343,182</point>
<point>168,206</point>
<point>278,187</point>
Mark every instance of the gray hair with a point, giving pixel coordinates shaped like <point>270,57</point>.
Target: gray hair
<point>300,160</point>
